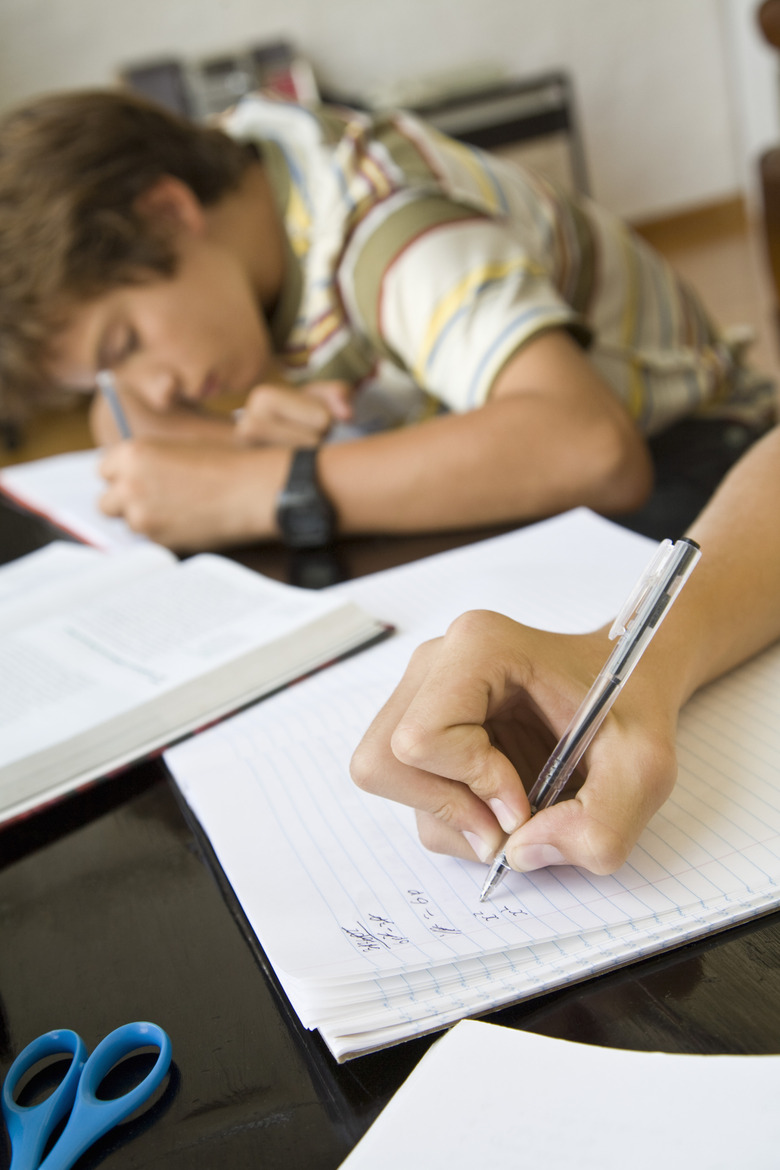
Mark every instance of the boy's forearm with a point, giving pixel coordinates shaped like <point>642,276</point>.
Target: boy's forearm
<point>519,458</point>
<point>551,436</point>
<point>739,578</point>
<point>512,460</point>
<point>730,608</point>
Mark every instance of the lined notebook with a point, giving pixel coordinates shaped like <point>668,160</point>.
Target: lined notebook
<point>374,939</point>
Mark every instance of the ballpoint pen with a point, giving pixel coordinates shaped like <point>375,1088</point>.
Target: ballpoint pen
<point>107,387</point>
<point>635,625</point>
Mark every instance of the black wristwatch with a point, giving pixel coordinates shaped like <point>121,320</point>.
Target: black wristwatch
<point>305,515</point>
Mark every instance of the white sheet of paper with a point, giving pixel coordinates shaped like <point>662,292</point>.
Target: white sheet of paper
<point>487,1096</point>
<point>66,488</point>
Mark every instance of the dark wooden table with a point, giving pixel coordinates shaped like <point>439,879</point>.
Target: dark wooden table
<point>111,910</point>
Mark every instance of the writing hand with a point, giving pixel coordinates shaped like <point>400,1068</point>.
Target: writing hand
<point>474,719</point>
<point>190,496</point>
<point>294,417</point>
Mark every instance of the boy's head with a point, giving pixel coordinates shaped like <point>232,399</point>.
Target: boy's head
<point>72,169</point>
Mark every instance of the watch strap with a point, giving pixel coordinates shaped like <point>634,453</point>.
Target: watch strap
<point>303,468</point>
<point>305,515</point>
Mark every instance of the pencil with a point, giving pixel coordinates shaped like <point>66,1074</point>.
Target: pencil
<point>107,386</point>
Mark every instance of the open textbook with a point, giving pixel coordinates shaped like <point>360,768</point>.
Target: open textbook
<point>490,1096</point>
<point>106,659</point>
<point>374,939</point>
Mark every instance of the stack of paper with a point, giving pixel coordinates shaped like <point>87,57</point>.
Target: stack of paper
<point>374,939</point>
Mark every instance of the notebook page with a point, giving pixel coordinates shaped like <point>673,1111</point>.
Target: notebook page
<point>397,1010</point>
<point>361,898</point>
<point>261,753</point>
<point>570,573</point>
<point>66,488</point>
<point>378,902</point>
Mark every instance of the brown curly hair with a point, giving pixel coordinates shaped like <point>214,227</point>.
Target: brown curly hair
<point>72,166</point>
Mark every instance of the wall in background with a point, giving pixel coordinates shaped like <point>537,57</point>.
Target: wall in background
<point>665,123</point>
<point>755,86</point>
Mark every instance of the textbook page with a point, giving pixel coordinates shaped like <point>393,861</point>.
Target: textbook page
<point>65,489</point>
<point>489,1096</point>
<point>50,579</point>
<point>116,656</point>
<point>45,569</point>
<point>373,938</point>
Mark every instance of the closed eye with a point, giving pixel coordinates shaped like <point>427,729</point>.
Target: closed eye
<point>119,349</point>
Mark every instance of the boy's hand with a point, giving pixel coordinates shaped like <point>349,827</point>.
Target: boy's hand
<point>294,417</point>
<point>189,496</point>
<point>473,721</point>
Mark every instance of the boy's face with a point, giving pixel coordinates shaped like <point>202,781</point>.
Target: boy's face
<point>184,339</point>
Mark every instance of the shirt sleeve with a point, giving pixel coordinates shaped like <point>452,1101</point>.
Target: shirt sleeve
<point>450,295</point>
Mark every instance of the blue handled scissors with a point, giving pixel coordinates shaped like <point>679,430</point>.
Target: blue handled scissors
<point>31,1126</point>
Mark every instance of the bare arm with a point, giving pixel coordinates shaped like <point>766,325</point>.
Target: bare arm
<point>731,607</point>
<point>552,436</point>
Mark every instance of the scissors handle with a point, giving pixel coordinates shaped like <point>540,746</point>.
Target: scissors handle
<point>91,1117</point>
<point>31,1126</point>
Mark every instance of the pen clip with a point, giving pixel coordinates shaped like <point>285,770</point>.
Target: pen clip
<point>649,579</point>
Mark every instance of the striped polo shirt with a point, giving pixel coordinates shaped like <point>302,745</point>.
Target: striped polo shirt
<point>418,265</point>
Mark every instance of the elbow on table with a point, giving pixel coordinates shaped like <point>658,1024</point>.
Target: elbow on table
<point>624,469</point>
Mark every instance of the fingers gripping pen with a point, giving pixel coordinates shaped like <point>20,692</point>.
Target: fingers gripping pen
<point>634,627</point>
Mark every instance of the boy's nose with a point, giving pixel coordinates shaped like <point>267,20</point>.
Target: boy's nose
<point>158,387</point>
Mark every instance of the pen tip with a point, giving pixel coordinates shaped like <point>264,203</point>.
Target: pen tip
<point>495,874</point>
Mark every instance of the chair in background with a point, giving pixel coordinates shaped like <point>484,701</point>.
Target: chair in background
<point>532,120</point>
<point>199,89</point>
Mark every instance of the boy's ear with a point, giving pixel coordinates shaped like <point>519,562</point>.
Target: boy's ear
<point>173,204</point>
